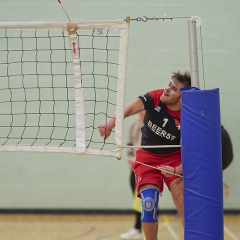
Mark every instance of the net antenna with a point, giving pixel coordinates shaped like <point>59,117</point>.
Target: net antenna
<point>64,10</point>
<point>58,81</point>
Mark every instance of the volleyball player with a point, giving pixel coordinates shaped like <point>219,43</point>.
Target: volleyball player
<point>161,127</point>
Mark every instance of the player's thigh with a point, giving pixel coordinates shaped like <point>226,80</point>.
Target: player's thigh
<point>176,189</point>
<point>147,185</point>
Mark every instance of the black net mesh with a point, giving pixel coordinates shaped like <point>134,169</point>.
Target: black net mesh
<point>37,96</point>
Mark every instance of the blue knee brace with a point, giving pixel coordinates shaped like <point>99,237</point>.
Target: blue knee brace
<point>149,198</point>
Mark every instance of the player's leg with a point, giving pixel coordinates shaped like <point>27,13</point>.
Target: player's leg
<point>149,194</point>
<point>149,184</point>
<point>176,188</point>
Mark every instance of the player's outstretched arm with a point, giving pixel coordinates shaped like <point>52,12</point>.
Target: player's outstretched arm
<point>130,109</point>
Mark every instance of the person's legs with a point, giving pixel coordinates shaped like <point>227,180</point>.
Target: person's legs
<point>134,233</point>
<point>176,188</point>
<point>150,228</point>
<point>132,181</point>
<point>138,223</point>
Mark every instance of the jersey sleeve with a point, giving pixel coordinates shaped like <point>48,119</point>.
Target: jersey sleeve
<point>151,99</point>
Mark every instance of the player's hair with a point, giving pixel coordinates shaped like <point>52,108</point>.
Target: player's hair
<point>184,78</point>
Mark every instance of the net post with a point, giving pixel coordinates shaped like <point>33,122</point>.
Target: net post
<point>193,53</point>
<point>79,99</point>
<point>121,86</point>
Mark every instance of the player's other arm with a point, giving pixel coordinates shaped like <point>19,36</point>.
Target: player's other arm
<point>130,109</point>
<point>168,170</point>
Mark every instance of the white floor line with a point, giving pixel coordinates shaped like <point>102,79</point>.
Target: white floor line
<point>172,231</point>
<point>230,233</point>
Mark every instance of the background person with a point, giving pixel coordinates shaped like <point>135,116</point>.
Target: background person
<point>227,155</point>
<point>227,149</point>
<point>134,139</point>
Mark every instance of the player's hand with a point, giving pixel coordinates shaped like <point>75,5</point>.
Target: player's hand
<point>167,170</point>
<point>104,131</point>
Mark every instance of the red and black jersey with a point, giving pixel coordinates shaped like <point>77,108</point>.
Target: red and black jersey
<point>161,125</point>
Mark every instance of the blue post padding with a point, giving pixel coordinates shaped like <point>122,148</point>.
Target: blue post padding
<point>202,164</point>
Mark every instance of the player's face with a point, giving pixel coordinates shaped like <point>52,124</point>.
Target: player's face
<point>171,94</point>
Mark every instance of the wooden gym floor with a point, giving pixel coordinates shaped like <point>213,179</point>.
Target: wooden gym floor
<point>94,227</point>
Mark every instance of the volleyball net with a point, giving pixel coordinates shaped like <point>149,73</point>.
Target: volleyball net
<point>58,81</point>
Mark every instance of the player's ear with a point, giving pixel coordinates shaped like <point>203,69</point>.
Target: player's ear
<point>180,98</point>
